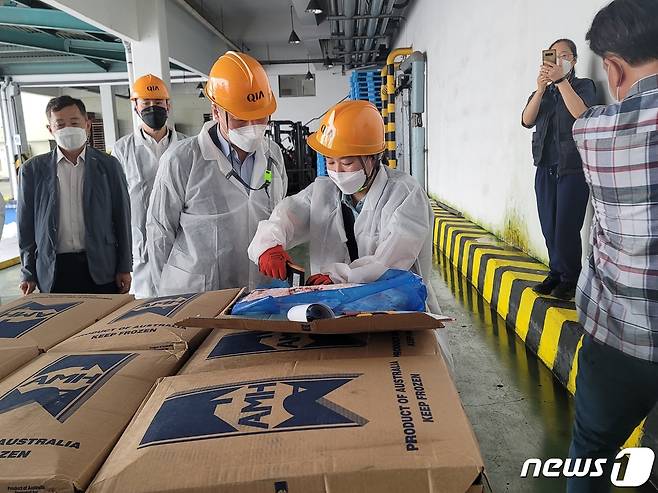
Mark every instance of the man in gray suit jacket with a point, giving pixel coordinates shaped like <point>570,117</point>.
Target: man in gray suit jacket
<point>73,212</point>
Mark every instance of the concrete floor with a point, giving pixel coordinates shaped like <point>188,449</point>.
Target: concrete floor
<point>517,409</point>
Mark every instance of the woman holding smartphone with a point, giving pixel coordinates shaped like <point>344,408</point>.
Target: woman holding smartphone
<point>560,186</point>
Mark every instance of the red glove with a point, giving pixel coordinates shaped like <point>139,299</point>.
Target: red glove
<point>318,279</point>
<point>274,262</point>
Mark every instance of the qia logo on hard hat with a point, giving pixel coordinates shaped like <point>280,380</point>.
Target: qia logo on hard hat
<point>61,387</point>
<point>152,88</point>
<point>255,342</point>
<point>264,406</point>
<point>21,319</point>
<point>167,306</point>
<point>252,97</point>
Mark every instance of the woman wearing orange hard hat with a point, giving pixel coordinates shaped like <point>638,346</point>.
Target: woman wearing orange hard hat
<point>212,190</point>
<point>139,154</point>
<point>361,220</point>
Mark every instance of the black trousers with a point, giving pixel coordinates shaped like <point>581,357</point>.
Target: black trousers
<point>72,276</point>
<point>562,202</point>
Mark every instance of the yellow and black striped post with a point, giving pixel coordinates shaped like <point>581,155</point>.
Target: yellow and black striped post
<point>389,122</point>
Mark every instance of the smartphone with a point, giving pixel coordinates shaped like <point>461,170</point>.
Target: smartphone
<point>549,56</point>
<point>295,275</point>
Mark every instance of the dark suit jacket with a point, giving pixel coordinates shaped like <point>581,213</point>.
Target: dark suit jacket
<point>106,217</point>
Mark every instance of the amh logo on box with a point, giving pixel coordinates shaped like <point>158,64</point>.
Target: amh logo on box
<point>166,306</point>
<point>255,342</point>
<point>61,387</point>
<point>21,319</point>
<point>265,406</point>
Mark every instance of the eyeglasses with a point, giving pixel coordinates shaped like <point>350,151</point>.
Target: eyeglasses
<point>566,56</point>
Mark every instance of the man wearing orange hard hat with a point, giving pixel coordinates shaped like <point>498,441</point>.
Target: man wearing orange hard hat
<point>139,154</point>
<point>212,190</point>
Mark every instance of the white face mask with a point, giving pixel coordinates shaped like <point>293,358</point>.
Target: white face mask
<point>614,95</point>
<point>566,66</point>
<point>349,182</point>
<point>70,138</point>
<point>247,138</point>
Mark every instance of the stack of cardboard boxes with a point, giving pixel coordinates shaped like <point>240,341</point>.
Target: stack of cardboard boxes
<point>61,413</point>
<point>346,405</point>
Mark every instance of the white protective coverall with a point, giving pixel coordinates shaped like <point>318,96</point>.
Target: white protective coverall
<point>139,156</point>
<point>393,231</point>
<point>201,219</point>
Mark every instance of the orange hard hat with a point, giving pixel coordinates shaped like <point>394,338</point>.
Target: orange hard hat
<point>351,128</point>
<point>149,86</point>
<point>238,83</point>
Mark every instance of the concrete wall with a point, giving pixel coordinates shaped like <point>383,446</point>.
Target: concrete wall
<point>330,87</point>
<point>483,59</point>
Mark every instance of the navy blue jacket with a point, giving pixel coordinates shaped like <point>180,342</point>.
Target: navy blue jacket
<point>106,211</point>
<point>553,127</point>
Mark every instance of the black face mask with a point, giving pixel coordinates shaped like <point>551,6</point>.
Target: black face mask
<point>154,116</point>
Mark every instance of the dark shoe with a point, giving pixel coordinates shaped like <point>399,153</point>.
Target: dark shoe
<point>546,286</point>
<point>565,291</point>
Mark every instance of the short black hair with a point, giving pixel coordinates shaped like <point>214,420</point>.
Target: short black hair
<point>626,28</point>
<point>60,102</point>
<point>570,44</point>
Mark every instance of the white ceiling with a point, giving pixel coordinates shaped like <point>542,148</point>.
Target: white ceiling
<point>264,26</point>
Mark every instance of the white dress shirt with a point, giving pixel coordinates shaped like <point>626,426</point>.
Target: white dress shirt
<point>70,184</point>
<point>158,148</point>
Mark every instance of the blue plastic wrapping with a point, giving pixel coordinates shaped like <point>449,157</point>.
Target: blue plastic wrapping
<point>395,290</point>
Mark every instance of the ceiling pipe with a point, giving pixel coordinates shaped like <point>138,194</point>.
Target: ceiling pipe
<point>361,8</point>
<point>389,11</point>
<point>349,11</point>
<point>357,17</point>
<point>334,28</point>
<point>343,38</point>
<point>375,9</point>
<point>294,61</point>
<point>355,53</point>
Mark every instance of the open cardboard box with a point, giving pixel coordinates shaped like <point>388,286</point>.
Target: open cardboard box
<point>226,349</point>
<point>348,324</point>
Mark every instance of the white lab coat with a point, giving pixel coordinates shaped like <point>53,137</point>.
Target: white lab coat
<point>200,223</point>
<point>393,231</point>
<point>140,164</point>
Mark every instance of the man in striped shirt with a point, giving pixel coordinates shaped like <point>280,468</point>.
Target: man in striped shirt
<point>617,294</point>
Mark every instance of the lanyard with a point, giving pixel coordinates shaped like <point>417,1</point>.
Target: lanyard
<point>267,175</point>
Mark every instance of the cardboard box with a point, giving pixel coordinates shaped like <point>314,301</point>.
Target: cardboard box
<point>43,320</point>
<point>150,324</point>
<point>14,356</point>
<point>227,349</point>
<point>61,414</point>
<point>342,426</point>
<point>353,324</point>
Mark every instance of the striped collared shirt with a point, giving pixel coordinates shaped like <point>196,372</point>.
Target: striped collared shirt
<point>617,296</point>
